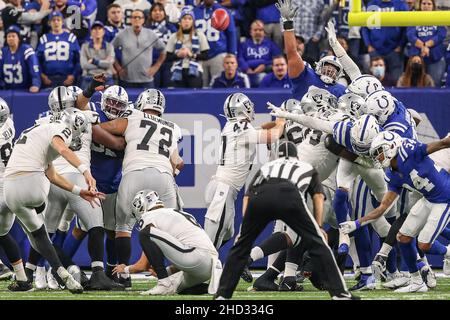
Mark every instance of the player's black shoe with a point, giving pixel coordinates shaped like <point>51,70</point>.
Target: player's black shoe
<point>264,284</point>
<point>99,281</point>
<point>125,282</point>
<point>247,275</point>
<point>345,296</point>
<point>21,286</point>
<point>289,284</point>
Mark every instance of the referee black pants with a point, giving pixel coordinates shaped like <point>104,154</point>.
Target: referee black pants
<point>272,200</point>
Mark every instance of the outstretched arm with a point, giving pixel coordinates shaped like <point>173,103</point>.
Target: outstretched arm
<point>438,145</point>
<point>350,67</point>
<point>296,65</point>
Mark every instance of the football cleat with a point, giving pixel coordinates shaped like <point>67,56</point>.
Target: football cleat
<point>415,285</point>
<point>446,267</point>
<point>71,284</point>
<point>22,286</point>
<point>367,282</point>
<point>52,283</point>
<point>264,284</point>
<point>400,279</point>
<point>289,284</point>
<point>247,275</point>
<point>40,282</point>
<point>428,277</point>
<point>99,281</point>
<point>163,287</point>
<point>345,296</point>
<point>379,267</point>
<point>126,282</point>
<point>5,272</point>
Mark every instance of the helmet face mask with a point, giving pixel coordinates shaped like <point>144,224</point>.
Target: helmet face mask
<point>384,148</point>
<point>114,102</point>
<point>363,132</point>
<point>329,69</point>
<point>329,73</point>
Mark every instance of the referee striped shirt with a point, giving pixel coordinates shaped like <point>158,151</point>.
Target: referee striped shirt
<point>301,174</point>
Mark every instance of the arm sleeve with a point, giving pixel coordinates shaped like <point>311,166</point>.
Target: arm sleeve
<point>32,17</point>
<point>231,37</point>
<point>313,123</point>
<point>350,67</point>
<point>315,186</point>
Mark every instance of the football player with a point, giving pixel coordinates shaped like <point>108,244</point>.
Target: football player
<point>168,233</point>
<point>408,164</point>
<point>150,162</point>
<point>237,151</point>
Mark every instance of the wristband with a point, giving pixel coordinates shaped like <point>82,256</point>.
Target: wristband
<point>127,269</point>
<point>177,172</point>
<point>357,224</point>
<point>76,190</point>
<point>82,168</point>
<point>288,25</point>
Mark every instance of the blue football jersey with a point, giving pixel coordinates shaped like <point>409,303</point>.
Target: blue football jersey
<point>309,78</point>
<point>219,41</point>
<point>416,171</point>
<point>106,164</point>
<point>401,122</point>
<point>341,133</point>
<point>19,70</point>
<point>59,54</point>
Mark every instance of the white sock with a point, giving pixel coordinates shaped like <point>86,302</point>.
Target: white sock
<point>124,275</point>
<point>30,266</point>
<point>447,254</point>
<point>62,273</point>
<point>385,250</point>
<point>20,272</point>
<point>256,254</point>
<point>367,270</point>
<point>40,269</point>
<point>97,264</point>
<point>290,269</point>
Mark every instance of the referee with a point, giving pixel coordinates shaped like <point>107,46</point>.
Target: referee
<point>277,192</point>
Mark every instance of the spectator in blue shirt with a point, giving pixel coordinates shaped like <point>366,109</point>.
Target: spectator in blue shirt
<point>115,21</point>
<point>19,67</point>
<point>231,77</point>
<point>278,78</point>
<point>158,22</point>
<point>428,42</point>
<point>387,42</point>
<point>256,54</point>
<point>59,54</point>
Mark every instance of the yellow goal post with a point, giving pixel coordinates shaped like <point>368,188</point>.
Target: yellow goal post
<point>357,17</point>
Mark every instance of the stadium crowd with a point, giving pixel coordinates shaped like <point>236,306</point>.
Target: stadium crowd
<point>171,43</point>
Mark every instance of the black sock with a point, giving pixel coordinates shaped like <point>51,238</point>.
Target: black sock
<point>63,257</point>
<point>123,247</point>
<point>96,246</point>
<point>275,243</point>
<point>10,247</point>
<point>34,256</point>
<point>45,247</point>
<point>277,266</point>
<point>153,253</point>
<point>294,255</point>
<point>391,238</point>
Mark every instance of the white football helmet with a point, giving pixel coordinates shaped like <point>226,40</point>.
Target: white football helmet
<point>75,120</point>
<point>238,106</point>
<point>364,85</point>
<point>114,101</point>
<point>364,130</point>
<point>151,99</point>
<point>61,98</point>
<point>144,201</point>
<point>380,104</point>
<point>317,98</point>
<point>351,104</point>
<point>329,69</point>
<point>4,111</point>
<point>384,148</point>
<point>292,106</point>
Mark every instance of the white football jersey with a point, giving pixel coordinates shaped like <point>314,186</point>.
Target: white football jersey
<point>81,146</point>
<point>7,133</point>
<point>151,141</point>
<point>181,225</point>
<point>33,151</point>
<point>237,151</point>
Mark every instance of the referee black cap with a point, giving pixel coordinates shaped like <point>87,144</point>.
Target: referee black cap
<point>287,149</point>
